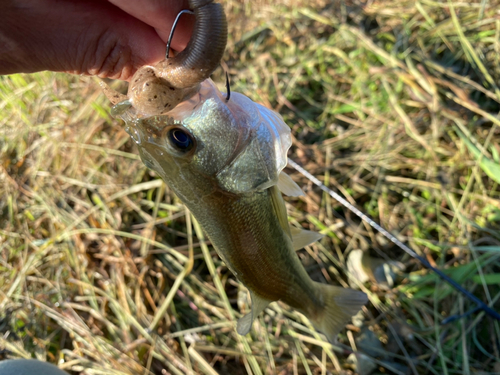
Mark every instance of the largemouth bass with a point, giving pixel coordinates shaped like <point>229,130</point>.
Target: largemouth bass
<point>224,160</point>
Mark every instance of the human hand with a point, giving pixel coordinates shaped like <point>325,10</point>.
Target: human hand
<point>94,37</point>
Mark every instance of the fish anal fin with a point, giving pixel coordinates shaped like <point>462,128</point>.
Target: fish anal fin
<point>340,304</point>
<point>280,209</point>
<point>303,237</point>
<point>288,186</point>
<point>244,324</point>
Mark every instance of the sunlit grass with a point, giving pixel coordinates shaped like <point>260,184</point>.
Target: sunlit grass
<point>393,104</point>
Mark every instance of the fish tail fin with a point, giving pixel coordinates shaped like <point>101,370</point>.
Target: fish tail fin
<point>340,304</point>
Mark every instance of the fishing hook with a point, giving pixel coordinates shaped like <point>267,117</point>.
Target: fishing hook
<point>480,305</point>
<point>228,87</point>
<point>169,41</point>
<point>172,30</point>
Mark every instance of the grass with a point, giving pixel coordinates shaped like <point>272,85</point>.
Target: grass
<point>393,104</point>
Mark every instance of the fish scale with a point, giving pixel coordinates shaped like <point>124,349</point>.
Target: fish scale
<point>228,171</point>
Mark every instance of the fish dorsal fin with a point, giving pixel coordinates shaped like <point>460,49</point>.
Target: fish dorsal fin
<point>303,237</point>
<point>244,324</point>
<point>280,209</point>
<point>288,186</point>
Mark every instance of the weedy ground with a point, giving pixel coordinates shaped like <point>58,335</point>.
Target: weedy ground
<point>392,103</point>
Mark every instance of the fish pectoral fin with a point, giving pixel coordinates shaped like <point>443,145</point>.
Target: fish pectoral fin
<point>280,209</point>
<point>244,324</point>
<point>340,304</point>
<point>288,186</point>
<point>303,237</point>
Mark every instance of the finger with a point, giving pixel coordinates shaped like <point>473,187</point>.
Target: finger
<point>161,14</point>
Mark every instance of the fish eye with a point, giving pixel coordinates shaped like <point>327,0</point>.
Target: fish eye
<point>180,139</point>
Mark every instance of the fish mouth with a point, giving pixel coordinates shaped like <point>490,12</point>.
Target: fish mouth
<point>149,130</point>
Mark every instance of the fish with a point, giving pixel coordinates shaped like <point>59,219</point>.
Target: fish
<point>224,158</point>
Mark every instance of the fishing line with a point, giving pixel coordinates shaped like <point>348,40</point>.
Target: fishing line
<point>480,304</point>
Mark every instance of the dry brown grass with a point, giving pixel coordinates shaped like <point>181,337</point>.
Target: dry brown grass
<point>386,101</point>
